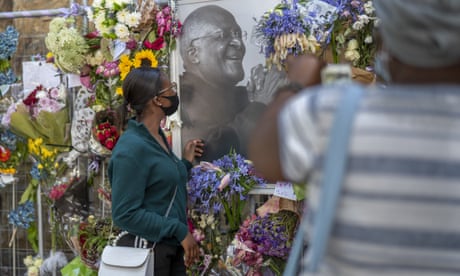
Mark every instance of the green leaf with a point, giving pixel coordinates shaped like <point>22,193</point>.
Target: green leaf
<point>32,236</point>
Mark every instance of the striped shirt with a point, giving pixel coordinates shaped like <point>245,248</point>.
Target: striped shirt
<point>399,211</point>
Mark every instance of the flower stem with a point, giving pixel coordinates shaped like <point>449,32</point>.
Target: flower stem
<point>335,56</point>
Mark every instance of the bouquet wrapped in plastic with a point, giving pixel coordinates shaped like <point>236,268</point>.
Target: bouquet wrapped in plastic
<point>42,114</point>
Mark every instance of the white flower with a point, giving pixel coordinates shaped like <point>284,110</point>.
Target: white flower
<point>364,19</point>
<point>122,15</point>
<point>210,220</point>
<point>41,94</point>
<point>28,261</point>
<point>368,39</point>
<point>95,59</point>
<point>358,25</point>
<point>132,19</point>
<point>32,271</point>
<point>369,8</point>
<point>38,262</point>
<point>124,2</point>
<point>109,4</point>
<point>122,32</point>
<point>352,44</point>
<point>352,55</point>
<point>100,17</point>
<point>97,3</point>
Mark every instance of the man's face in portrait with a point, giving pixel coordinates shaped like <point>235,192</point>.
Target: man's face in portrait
<point>220,49</point>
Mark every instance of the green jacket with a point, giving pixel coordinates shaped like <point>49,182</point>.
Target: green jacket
<point>143,177</point>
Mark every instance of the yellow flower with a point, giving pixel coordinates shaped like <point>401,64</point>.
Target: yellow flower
<point>124,66</point>
<point>143,55</point>
<point>119,91</point>
<point>49,55</point>
<point>8,171</point>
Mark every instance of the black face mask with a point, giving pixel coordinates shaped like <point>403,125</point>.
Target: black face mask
<point>174,105</point>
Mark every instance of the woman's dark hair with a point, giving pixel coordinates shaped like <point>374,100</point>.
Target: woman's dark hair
<point>140,85</point>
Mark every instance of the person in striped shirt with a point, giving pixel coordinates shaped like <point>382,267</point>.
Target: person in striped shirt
<point>399,210</point>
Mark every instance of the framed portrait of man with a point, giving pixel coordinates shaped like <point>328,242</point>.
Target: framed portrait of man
<point>221,73</point>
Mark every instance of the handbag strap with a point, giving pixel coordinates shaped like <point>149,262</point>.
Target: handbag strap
<point>333,172</point>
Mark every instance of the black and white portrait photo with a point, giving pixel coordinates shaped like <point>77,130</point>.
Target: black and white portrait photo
<point>224,85</point>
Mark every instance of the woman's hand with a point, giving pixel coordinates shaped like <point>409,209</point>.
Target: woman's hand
<point>191,248</point>
<point>193,148</point>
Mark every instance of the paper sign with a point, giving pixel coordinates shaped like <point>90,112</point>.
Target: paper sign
<point>284,190</point>
<point>35,73</point>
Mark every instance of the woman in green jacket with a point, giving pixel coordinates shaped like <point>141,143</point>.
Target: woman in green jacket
<point>144,173</point>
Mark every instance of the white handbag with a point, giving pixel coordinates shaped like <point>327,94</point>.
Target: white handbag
<point>130,261</point>
<point>126,261</point>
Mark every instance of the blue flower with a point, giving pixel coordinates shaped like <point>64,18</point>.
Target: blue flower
<point>8,42</point>
<point>22,216</point>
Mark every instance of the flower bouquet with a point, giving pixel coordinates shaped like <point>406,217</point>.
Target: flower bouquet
<point>163,31</point>
<point>67,45</point>
<point>105,132</point>
<point>114,19</point>
<point>93,235</point>
<point>263,243</point>
<point>342,29</point>
<point>42,114</point>
<point>282,32</point>
<point>217,194</point>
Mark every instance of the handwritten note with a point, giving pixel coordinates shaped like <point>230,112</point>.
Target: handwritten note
<point>284,190</point>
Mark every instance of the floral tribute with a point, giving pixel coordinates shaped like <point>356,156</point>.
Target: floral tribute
<point>282,31</point>
<point>342,27</point>
<point>42,114</point>
<point>217,195</point>
<point>264,242</point>
<point>67,45</point>
<point>93,235</point>
<point>105,132</point>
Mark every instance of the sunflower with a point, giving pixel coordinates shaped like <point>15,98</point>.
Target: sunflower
<point>143,56</point>
<point>124,66</point>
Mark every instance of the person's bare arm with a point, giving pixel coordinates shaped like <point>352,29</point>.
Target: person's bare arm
<point>263,148</point>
